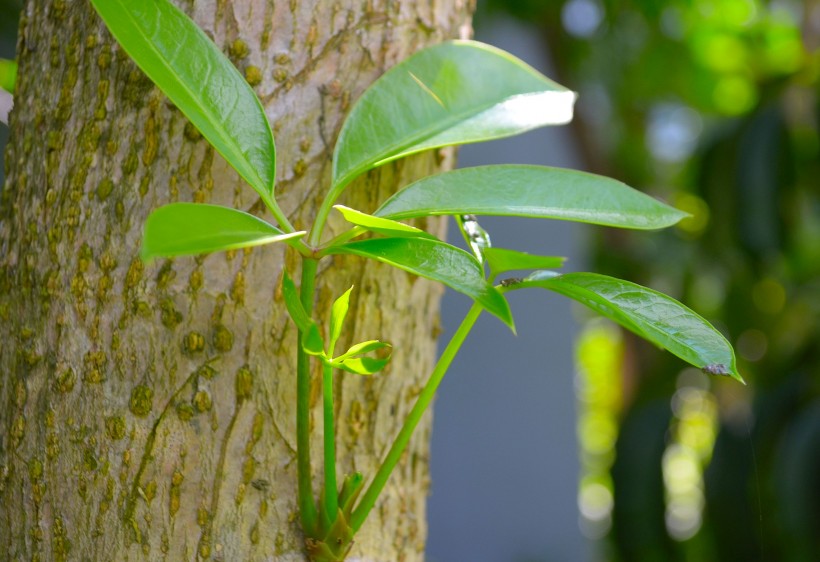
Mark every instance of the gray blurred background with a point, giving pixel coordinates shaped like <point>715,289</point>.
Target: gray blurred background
<point>504,458</point>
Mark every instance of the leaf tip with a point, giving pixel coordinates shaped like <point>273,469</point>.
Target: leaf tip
<point>722,370</point>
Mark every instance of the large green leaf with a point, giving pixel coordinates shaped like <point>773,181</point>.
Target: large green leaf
<point>452,93</point>
<point>530,191</point>
<point>180,59</point>
<point>434,260</point>
<point>651,315</point>
<point>186,229</point>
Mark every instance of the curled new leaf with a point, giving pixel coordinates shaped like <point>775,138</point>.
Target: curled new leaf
<point>187,229</point>
<point>356,360</point>
<point>651,315</point>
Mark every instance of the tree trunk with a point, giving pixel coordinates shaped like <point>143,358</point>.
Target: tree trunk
<point>148,411</point>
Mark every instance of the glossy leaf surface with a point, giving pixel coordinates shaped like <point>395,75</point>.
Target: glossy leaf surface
<point>452,93</point>
<point>434,260</point>
<point>530,191</point>
<point>180,59</point>
<point>362,365</point>
<point>380,225</point>
<point>502,260</point>
<point>651,315</point>
<point>186,229</point>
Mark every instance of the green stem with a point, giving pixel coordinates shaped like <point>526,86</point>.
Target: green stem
<point>315,236</point>
<point>307,507</point>
<point>281,219</point>
<point>331,489</point>
<point>403,438</point>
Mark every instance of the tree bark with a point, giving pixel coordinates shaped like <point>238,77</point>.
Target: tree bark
<point>148,411</point>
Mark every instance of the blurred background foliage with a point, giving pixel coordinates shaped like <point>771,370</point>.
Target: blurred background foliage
<point>714,106</point>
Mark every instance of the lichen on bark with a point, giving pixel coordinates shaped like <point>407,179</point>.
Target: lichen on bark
<point>148,410</point>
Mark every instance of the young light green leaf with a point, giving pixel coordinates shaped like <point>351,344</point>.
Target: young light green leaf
<point>338,313</point>
<point>434,260</point>
<point>355,359</point>
<point>651,315</point>
<point>452,93</point>
<point>186,229</point>
<point>312,341</point>
<point>362,349</point>
<point>362,365</point>
<point>180,59</point>
<point>530,191</point>
<point>380,225</point>
<point>294,303</point>
<point>501,260</point>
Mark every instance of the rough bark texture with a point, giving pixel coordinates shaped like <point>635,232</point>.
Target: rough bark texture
<point>148,410</point>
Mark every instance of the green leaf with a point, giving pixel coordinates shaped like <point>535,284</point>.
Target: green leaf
<point>434,260</point>
<point>501,260</point>
<point>338,313</point>
<point>380,225</point>
<point>452,93</point>
<point>8,75</point>
<point>362,365</point>
<point>530,191</point>
<point>362,349</point>
<point>185,229</point>
<point>180,59</point>
<point>312,341</point>
<point>294,304</point>
<point>651,315</point>
<point>354,360</point>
